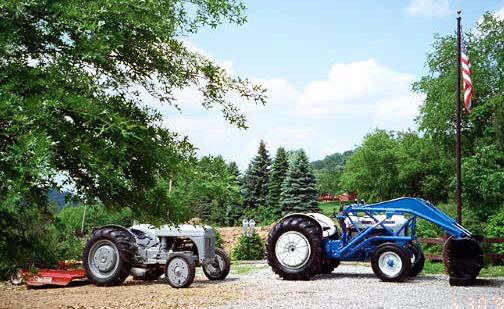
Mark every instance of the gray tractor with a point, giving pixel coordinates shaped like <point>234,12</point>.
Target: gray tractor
<point>114,252</point>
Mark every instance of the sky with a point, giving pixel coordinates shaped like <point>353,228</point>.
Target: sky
<point>335,71</point>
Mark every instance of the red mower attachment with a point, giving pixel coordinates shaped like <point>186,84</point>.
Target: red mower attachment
<point>62,276</point>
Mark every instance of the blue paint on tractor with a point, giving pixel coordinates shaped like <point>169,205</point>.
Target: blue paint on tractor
<point>362,246</point>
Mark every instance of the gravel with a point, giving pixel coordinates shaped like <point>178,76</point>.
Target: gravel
<point>350,286</point>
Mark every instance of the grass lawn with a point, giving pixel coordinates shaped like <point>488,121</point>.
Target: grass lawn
<point>488,271</point>
<point>328,208</point>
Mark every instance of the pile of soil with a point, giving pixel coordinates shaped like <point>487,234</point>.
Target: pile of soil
<point>231,235</point>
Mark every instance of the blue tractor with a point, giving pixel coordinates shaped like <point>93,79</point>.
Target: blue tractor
<point>301,246</point>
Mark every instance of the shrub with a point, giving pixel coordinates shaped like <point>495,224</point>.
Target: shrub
<point>495,228</point>
<point>249,248</point>
<point>218,239</point>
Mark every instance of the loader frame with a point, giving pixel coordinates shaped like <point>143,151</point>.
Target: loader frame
<point>362,247</point>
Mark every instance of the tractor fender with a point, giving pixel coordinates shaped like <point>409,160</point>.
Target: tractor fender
<point>326,224</point>
<point>117,227</point>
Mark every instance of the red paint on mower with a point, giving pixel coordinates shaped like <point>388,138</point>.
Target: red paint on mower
<point>61,276</point>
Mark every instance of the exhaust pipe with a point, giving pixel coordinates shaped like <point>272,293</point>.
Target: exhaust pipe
<point>463,260</point>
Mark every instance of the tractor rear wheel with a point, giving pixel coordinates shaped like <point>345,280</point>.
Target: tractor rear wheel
<point>108,256</point>
<point>391,263</point>
<point>328,266</point>
<point>294,249</point>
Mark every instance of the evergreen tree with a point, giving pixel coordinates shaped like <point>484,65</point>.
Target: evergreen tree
<point>278,174</point>
<point>234,171</point>
<point>256,179</point>
<point>298,189</point>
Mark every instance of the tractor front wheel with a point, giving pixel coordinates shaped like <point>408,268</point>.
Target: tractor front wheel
<point>219,269</point>
<point>180,270</point>
<point>391,263</point>
<point>294,249</point>
<point>419,260</point>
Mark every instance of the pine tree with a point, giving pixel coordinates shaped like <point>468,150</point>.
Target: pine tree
<point>234,171</point>
<point>278,174</point>
<point>298,189</point>
<point>256,179</point>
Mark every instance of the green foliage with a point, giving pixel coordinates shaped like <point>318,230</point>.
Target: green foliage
<point>209,190</point>
<point>249,248</point>
<point>298,189</point>
<point>278,174</point>
<point>388,165</point>
<point>256,179</point>
<point>495,228</point>
<point>73,81</point>
<point>219,242</point>
<point>328,172</point>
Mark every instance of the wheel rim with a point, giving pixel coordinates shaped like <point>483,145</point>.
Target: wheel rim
<point>390,264</point>
<point>103,259</point>
<point>215,268</point>
<point>178,271</point>
<point>292,250</point>
<point>16,277</point>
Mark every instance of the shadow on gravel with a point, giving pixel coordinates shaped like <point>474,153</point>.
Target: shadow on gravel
<point>489,282</point>
<point>72,284</point>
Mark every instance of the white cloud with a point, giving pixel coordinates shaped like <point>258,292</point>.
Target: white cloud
<point>499,14</point>
<point>326,116</point>
<point>429,8</point>
<point>361,88</point>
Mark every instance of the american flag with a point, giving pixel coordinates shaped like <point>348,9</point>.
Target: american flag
<point>466,74</point>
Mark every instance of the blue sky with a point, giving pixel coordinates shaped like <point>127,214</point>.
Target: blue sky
<point>335,71</point>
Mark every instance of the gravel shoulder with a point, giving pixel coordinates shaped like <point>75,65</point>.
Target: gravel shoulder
<point>350,286</point>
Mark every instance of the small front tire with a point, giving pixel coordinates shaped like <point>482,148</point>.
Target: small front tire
<point>391,263</point>
<point>220,268</point>
<point>180,270</point>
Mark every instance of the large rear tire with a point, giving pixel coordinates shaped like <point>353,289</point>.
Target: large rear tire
<point>220,268</point>
<point>391,263</point>
<point>294,249</point>
<point>108,256</point>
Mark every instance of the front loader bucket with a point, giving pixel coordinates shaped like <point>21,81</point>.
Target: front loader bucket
<point>463,259</point>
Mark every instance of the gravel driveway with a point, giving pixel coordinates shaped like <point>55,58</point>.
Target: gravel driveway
<point>348,287</point>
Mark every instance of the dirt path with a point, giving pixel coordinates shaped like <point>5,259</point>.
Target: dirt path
<point>132,294</point>
<point>256,287</point>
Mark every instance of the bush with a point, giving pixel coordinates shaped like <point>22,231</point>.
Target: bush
<point>249,248</point>
<point>495,228</point>
<point>218,239</point>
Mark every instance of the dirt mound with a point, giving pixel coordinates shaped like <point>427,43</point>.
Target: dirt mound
<point>231,235</point>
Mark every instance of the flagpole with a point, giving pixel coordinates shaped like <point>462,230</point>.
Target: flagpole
<point>459,134</point>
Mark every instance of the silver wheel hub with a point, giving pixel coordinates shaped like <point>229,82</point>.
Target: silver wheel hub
<point>292,250</point>
<point>390,264</point>
<point>103,258</point>
<point>216,267</point>
<point>178,271</point>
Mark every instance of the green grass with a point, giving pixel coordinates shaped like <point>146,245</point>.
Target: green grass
<point>488,271</point>
<point>328,208</point>
<point>243,269</point>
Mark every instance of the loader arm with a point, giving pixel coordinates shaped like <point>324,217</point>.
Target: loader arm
<point>418,207</point>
